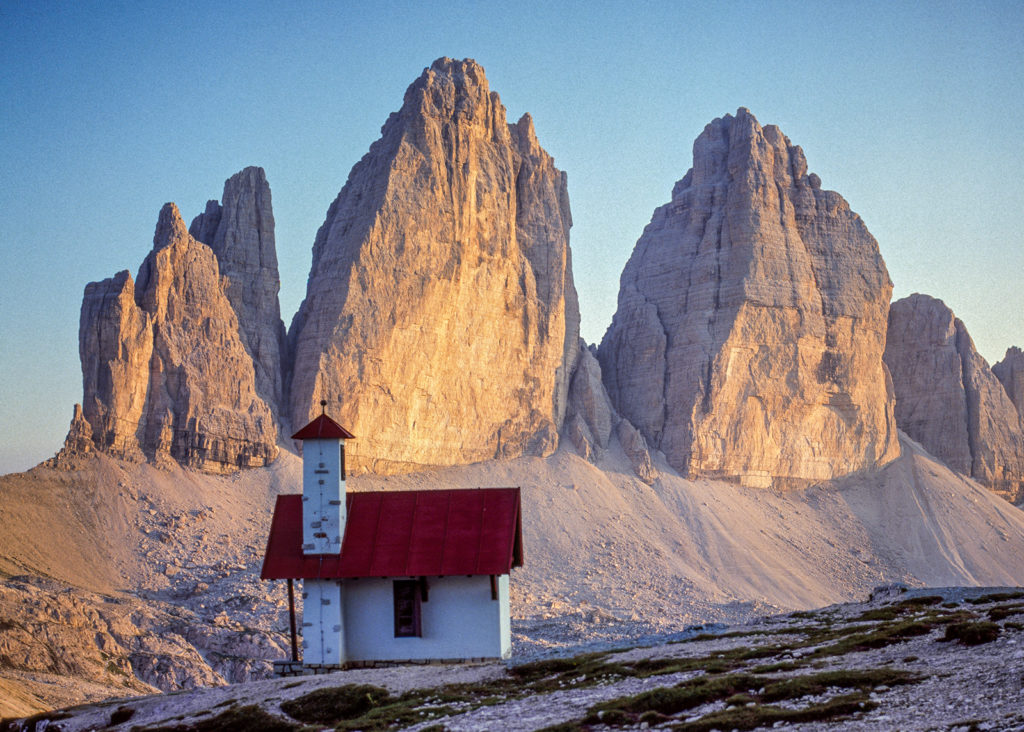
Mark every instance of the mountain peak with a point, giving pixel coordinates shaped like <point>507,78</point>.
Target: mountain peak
<point>748,337</point>
<point>170,227</point>
<point>442,276</point>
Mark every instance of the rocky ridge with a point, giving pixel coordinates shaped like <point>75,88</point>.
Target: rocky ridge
<point>165,372</point>
<point>751,320</point>
<point>949,400</point>
<point>440,321</point>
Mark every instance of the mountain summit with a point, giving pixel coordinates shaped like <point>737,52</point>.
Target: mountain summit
<point>440,320</point>
<point>748,339</point>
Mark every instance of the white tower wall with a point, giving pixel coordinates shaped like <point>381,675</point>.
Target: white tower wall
<point>323,497</point>
<point>322,640</point>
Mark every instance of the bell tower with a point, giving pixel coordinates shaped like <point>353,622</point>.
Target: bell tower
<point>323,528</point>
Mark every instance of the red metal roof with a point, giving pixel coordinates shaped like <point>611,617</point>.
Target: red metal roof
<point>323,428</point>
<point>405,534</point>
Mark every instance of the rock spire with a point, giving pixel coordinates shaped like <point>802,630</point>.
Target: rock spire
<point>240,231</point>
<point>440,319</point>
<point>949,400</point>
<point>165,373</point>
<point>748,339</point>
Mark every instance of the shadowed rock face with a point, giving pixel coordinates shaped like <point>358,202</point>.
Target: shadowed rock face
<point>748,338</point>
<point>440,320</point>
<point>240,231</point>
<point>165,373</point>
<point>1010,372</point>
<point>949,400</point>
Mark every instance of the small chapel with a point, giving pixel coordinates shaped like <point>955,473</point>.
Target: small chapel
<point>391,576</point>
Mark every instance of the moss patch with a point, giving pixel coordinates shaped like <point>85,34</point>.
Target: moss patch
<point>972,633</point>
<point>330,705</point>
<point>364,707</point>
<point>862,680</point>
<point>743,718</point>
<point>674,699</point>
<point>996,597</point>
<point>1001,612</point>
<point>747,694</point>
<point>250,718</point>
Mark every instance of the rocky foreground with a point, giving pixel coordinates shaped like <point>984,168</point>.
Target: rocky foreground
<point>909,660</point>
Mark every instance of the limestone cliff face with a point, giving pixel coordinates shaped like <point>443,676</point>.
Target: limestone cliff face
<point>165,373</point>
<point>947,397</point>
<point>588,400</point>
<point>751,320</point>
<point>440,319</point>
<point>240,231</point>
<point>1010,372</point>
<point>115,343</point>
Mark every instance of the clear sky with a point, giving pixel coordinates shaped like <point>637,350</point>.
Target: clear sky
<point>911,110</point>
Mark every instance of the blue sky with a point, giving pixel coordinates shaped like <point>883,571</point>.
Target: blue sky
<point>912,111</point>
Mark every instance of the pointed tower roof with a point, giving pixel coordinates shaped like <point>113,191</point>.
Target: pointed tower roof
<point>323,428</point>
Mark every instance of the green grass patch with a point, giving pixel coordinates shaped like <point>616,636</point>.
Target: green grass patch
<point>585,663</point>
<point>365,707</point>
<point>746,695</point>
<point>337,703</point>
<point>900,609</point>
<point>563,727</point>
<point>922,601</point>
<point>674,699</point>
<point>882,637</point>
<point>744,718</point>
<point>772,668</point>
<point>972,633</point>
<point>996,597</point>
<point>862,680</point>
<point>889,612</point>
<point>249,718</point>
<point>1001,612</point>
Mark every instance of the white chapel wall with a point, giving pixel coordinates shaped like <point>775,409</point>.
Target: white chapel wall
<point>459,620</point>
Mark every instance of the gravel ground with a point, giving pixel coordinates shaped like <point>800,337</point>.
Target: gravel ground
<point>961,687</point>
